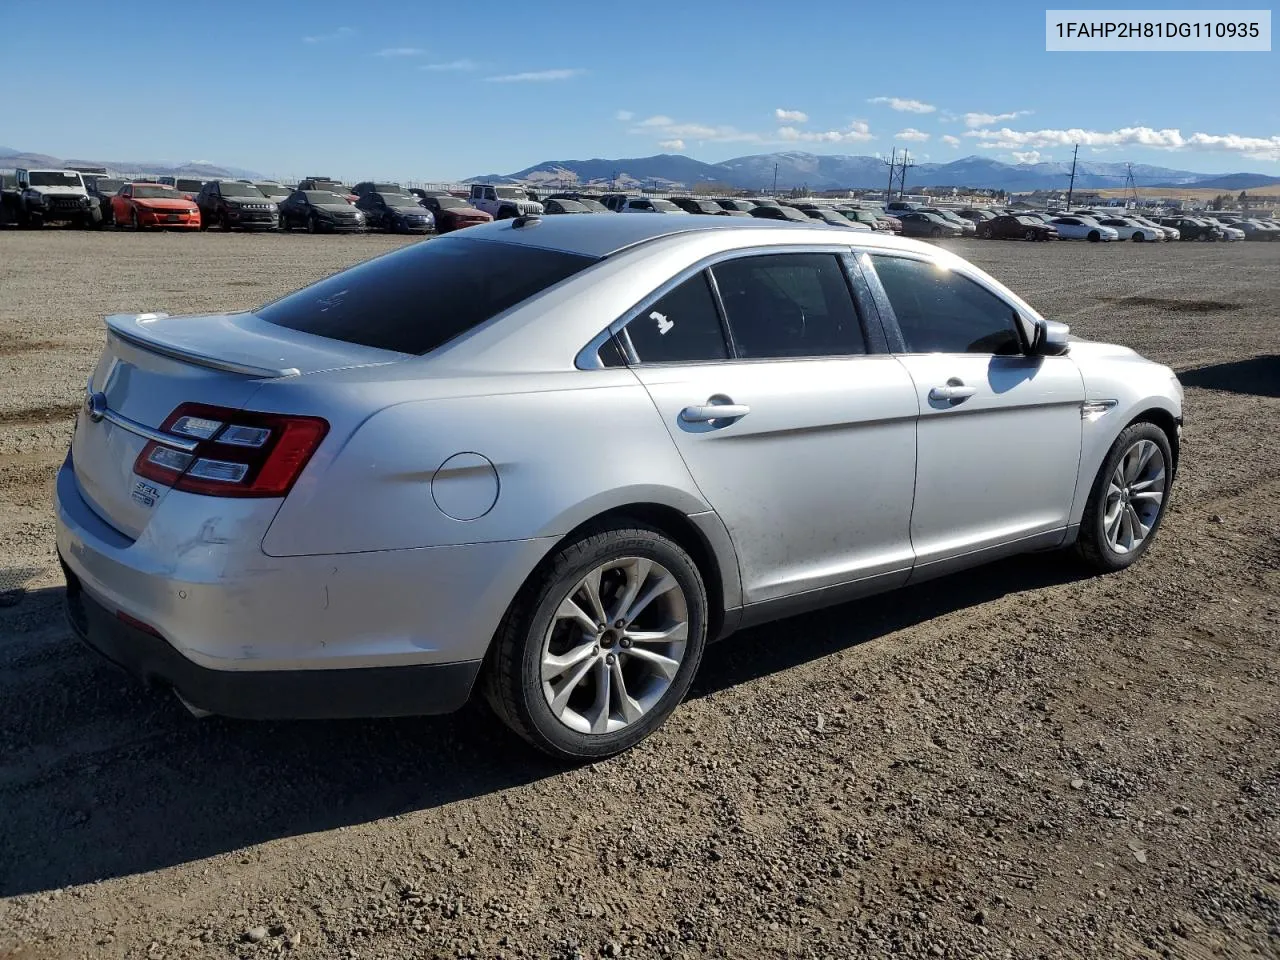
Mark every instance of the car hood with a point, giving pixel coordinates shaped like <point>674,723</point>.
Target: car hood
<point>333,207</point>
<point>60,191</point>
<point>162,203</point>
<point>410,211</point>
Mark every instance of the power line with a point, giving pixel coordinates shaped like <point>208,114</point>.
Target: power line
<point>893,159</point>
<point>906,164</point>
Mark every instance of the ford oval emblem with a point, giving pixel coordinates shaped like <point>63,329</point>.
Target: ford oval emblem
<point>95,405</point>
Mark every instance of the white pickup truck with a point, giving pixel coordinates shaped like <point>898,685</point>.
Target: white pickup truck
<point>502,202</point>
<point>48,196</point>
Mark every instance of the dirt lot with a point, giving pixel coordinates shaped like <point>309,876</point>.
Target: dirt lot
<point>1017,762</point>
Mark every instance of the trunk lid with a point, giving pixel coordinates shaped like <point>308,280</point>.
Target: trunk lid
<point>154,362</point>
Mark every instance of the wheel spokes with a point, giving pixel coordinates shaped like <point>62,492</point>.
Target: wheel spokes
<point>599,718</point>
<point>636,570</point>
<point>631,710</point>
<point>569,610</point>
<point>554,665</point>
<point>561,698</point>
<point>590,586</point>
<point>677,632</point>
<point>656,588</point>
<point>665,666</point>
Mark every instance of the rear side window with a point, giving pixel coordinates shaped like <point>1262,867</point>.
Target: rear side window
<point>681,327</point>
<point>422,296</point>
<point>940,311</point>
<point>789,305</point>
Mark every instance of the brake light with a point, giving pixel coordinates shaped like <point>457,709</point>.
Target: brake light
<point>238,453</point>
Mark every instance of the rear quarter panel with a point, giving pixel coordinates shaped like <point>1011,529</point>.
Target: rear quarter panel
<point>565,447</point>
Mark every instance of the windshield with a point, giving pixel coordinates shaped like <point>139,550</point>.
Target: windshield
<point>665,205</point>
<point>232,188</point>
<point>401,200</point>
<point>571,206</point>
<point>324,198</point>
<point>510,193</point>
<point>270,189</point>
<point>1028,221</point>
<point>108,186</point>
<point>595,206</point>
<point>156,191</point>
<point>331,185</point>
<point>189,186</point>
<point>55,178</point>
<point>450,203</point>
<point>424,295</point>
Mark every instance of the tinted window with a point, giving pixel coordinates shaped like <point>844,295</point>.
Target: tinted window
<point>940,311</point>
<point>789,305</point>
<point>683,326</point>
<point>424,295</point>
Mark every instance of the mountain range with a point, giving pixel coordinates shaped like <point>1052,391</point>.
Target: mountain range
<point>188,168</point>
<point>836,171</point>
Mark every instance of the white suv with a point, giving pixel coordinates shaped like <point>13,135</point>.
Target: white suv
<point>502,203</point>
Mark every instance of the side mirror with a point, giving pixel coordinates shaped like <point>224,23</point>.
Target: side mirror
<point>1049,339</point>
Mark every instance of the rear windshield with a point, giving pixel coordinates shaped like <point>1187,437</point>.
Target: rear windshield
<point>189,186</point>
<point>424,295</point>
<point>232,189</point>
<point>54,178</point>
<point>155,192</point>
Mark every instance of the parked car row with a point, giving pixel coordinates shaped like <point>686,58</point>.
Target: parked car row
<point>324,205</point>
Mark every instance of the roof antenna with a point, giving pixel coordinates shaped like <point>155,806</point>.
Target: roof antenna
<point>525,220</point>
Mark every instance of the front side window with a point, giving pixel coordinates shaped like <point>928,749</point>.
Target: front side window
<point>940,311</point>
<point>683,326</point>
<point>789,305</point>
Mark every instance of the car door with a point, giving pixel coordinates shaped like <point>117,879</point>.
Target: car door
<point>998,437</point>
<point>794,421</point>
<point>120,204</point>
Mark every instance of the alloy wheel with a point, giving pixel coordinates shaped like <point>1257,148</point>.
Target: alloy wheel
<point>1134,497</point>
<point>615,645</point>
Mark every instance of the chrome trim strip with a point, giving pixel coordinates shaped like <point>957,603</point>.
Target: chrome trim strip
<point>95,404</point>
<point>142,430</point>
<point>140,339</point>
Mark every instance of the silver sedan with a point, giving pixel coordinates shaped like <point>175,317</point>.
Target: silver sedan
<point>550,459</point>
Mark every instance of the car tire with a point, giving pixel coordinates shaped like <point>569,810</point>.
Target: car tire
<point>133,218</point>
<point>542,624</point>
<point>936,232</point>
<point>224,221</point>
<point>313,225</point>
<point>1029,235</point>
<point>984,233</point>
<point>1138,465</point>
<point>284,224</point>
<point>204,220</point>
<point>1138,237</point>
<point>1094,236</point>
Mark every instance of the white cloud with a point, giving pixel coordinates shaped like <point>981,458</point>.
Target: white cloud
<point>790,116</point>
<point>538,76</point>
<point>342,33</point>
<point>857,132</point>
<point>676,145</point>
<point>911,133</point>
<point>1256,148</point>
<point>624,115</point>
<point>1028,156</point>
<point>972,120</point>
<point>451,66</point>
<point>400,52</point>
<point>657,120</point>
<point>951,141</point>
<point>905,106</point>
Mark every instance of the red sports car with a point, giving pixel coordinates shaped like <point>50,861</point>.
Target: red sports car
<point>141,205</point>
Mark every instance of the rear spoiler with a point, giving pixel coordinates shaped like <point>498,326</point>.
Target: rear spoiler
<point>132,328</point>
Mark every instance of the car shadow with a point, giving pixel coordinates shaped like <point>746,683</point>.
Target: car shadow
<point>101,778</point>
<point>1258,375</point>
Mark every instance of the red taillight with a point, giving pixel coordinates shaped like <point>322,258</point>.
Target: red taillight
<point>238,453</point>
<point>137,624</point>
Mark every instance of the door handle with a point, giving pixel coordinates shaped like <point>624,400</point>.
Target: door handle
<point>707,412</point>
<point>953,392</point>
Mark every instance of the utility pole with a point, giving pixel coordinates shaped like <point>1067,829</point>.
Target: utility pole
<point>902,173</point>
<point>893,160</point>
<point>1130,186</point>
<point>775,179</point>
<point>1072,188</point>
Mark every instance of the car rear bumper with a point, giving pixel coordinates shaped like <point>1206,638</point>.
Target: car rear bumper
<point>267,694</point>
<point>194,603</point>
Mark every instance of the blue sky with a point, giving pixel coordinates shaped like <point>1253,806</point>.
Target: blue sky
<point>433,91</point>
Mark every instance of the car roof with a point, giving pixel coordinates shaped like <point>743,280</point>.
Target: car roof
<point>602,236</point>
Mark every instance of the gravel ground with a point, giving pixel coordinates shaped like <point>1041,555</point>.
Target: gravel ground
<point>1015,762</point>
